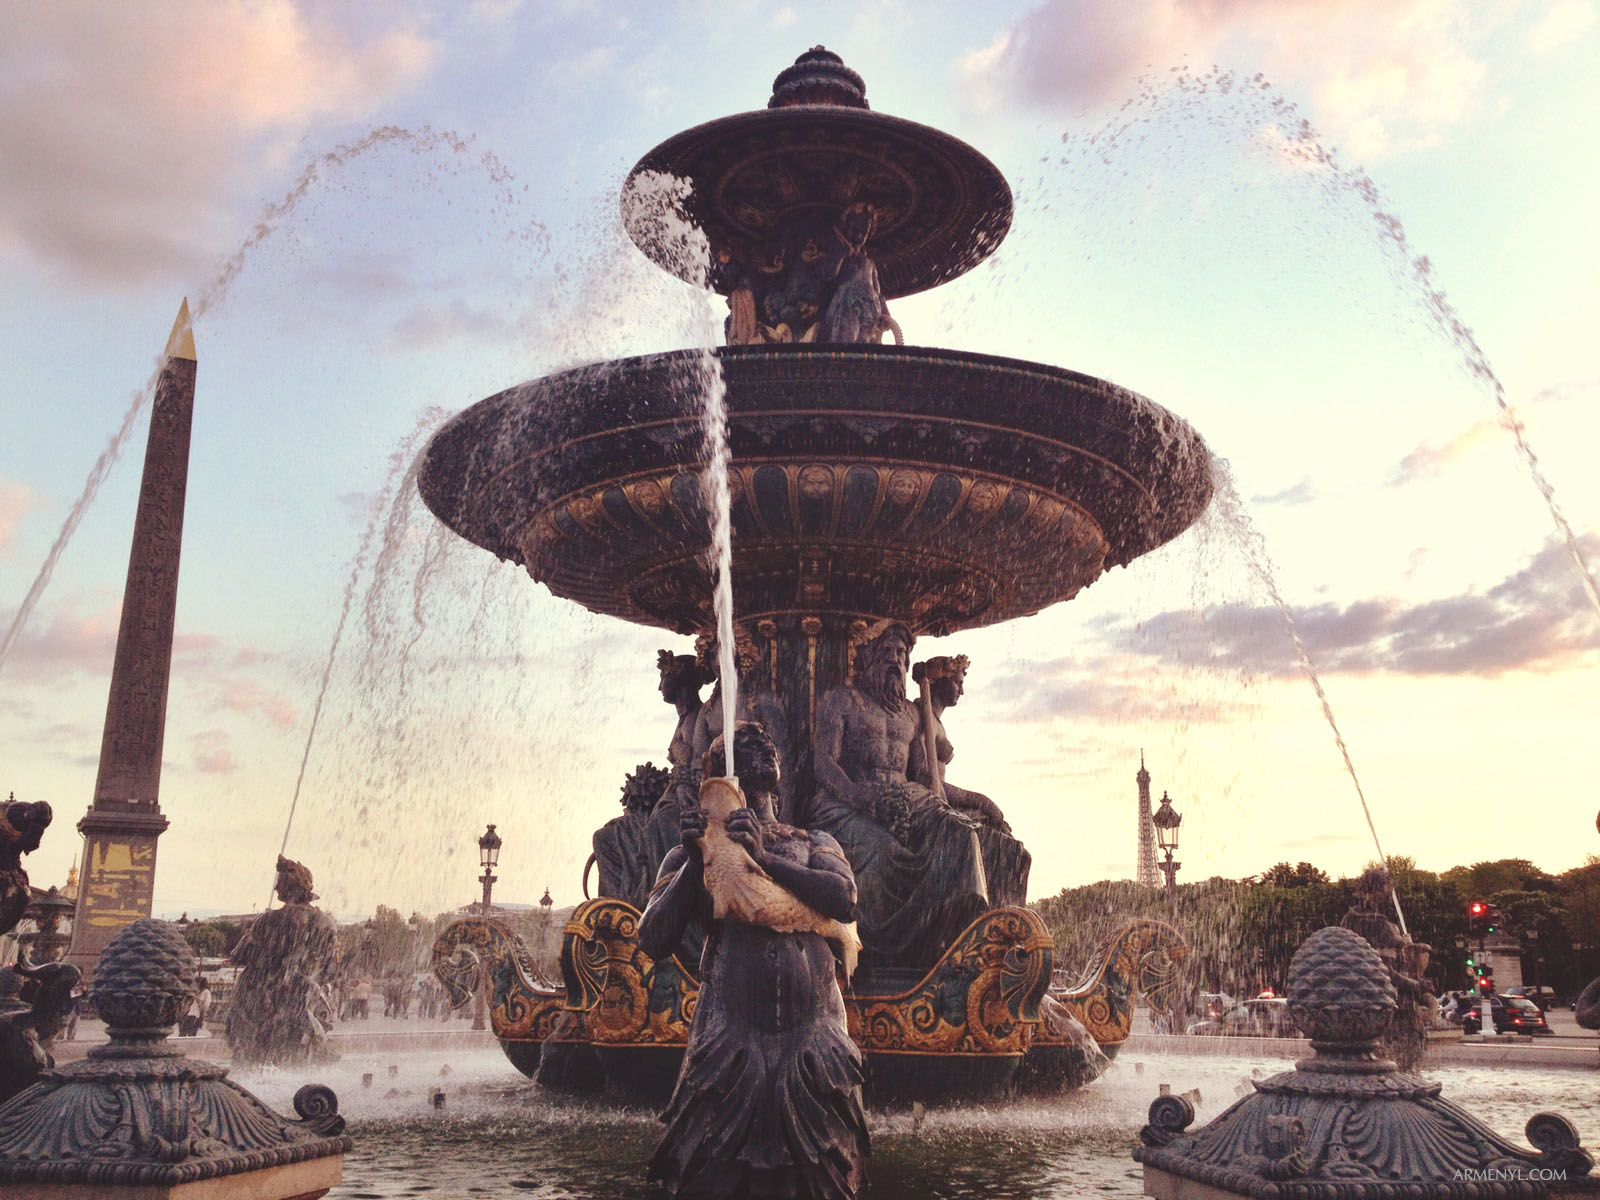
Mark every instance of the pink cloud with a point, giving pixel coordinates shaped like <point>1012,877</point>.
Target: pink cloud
<point>240,695</point>
<point>1381,74</point>
<point>69,643</point>
<point>15,501</point>
<point>127,129</point>
<point>212,754</point>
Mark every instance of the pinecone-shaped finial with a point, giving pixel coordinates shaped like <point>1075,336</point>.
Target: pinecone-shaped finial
<point>142,980</point>
<point>1339,991</point>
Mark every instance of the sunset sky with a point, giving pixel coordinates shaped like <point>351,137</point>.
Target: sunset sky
<point>1324,232</point>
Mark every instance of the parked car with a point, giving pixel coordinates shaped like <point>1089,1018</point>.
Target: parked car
<point>1250,1018</point>
<point>1544,997</point>
<point>1512,1014</point>
<point>1211,1005</point>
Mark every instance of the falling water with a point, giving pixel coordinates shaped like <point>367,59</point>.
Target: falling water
<point>419,141</point>
<point>1251,545</point>
<point>403,465</point>
<point>656,214</point>
<point>716,484</point>
<point>1266,109</point>
<point>91,488</point>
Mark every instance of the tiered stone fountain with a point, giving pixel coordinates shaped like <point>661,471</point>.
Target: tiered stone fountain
<point>872,485</point>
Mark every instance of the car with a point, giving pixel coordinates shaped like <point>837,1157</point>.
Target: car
<point>1212,1005</point>
<point>1261,1017</point>
<point>1544,997</point>
<point>1512,1014</point>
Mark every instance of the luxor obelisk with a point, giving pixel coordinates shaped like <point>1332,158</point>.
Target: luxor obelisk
<point>123,822</point>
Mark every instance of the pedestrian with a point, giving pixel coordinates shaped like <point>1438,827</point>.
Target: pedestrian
<point>202,1006</point>
<point>74,1008</point>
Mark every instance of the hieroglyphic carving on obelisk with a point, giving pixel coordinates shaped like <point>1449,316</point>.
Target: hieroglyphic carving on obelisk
<point>123,822</point>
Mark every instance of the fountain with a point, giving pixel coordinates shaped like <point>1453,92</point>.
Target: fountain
<point>875,492</point>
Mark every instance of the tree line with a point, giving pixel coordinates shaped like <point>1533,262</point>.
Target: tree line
<point>1242,933</point>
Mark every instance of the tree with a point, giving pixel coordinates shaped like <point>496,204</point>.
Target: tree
<point>391,942</point>
<point>212,939</point>
<point>1302,874</point>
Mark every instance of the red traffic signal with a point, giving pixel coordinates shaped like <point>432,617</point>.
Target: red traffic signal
<point>1477,909</point>
<point>1485,984</point>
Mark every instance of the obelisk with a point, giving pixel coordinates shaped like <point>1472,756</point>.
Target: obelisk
<point>123,822</point>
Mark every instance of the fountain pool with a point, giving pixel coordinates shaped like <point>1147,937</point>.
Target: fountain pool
<point>501,1135</point>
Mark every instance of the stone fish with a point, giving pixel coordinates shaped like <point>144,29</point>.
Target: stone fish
<point>740,889</point>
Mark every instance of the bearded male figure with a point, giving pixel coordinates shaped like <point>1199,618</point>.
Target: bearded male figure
<point>917,861</point>
<point>682,677</point>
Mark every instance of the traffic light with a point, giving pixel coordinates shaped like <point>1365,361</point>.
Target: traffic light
<point>1485,985</point>
<point>1477,910</point>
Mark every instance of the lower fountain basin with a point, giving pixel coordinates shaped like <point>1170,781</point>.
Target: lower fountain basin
<point>944,489</point>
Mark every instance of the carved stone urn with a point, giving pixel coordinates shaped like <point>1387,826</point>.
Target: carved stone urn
<point>138,1118</point>
<point>1346,1124</point>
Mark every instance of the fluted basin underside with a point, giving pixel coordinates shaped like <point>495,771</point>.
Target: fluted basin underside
<point>944,489</point>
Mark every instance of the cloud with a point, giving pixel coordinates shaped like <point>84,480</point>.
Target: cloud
<point>1302,492</point>
<point>15,501</point>
<point>1428,461</point>
<point>127,129</point>
<point>1536,618</point>
<point>425,327</point>
<point>244,696</point>
<point>1561,25</point>
<point>71,642</point>
<point>1380,73</point>
<point>212,754</point>
<point>1111,689</point>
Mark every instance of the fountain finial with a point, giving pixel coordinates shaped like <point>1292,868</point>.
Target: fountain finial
<point>818,76</point>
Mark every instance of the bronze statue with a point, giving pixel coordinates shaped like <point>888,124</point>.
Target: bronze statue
<point>756,702</point>
<point>682,677</point>
<point>768,1101</point>
<point>819,285</point>
<point>281,1008</point>
<point>27,1027</point>
<point>918,862</point>
<point>21,828</point>
<point>626,866</point>
<point>1405,961</point>
<point>1587,1006</point>
<point>941,682</point>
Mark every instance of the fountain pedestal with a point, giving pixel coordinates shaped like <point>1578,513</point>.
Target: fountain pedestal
<point>1347,1125</point>
<point>138,1120</point>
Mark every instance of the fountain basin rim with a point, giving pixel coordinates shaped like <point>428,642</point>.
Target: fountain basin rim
<point>1090,463</point>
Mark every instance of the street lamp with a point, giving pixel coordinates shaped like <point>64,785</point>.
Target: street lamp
<point>546,906</point>
<point>1533,961</point>
<point>1166,820</point>
<point>489,859</point>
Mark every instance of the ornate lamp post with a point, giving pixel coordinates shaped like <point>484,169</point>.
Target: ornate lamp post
<point>489,858</point>
<point>1166,820</point>
<point>546,905</point>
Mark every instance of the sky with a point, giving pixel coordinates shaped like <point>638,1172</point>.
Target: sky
<point>1350,241</point>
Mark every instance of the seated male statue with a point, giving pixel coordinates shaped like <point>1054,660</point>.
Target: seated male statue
<point>918,862</point>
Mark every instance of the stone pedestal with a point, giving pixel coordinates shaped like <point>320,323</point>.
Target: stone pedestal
<point>138,1119</point>
<point>1346,1124</point>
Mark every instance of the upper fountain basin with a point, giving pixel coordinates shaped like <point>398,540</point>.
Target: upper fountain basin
<point>941,488</point>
